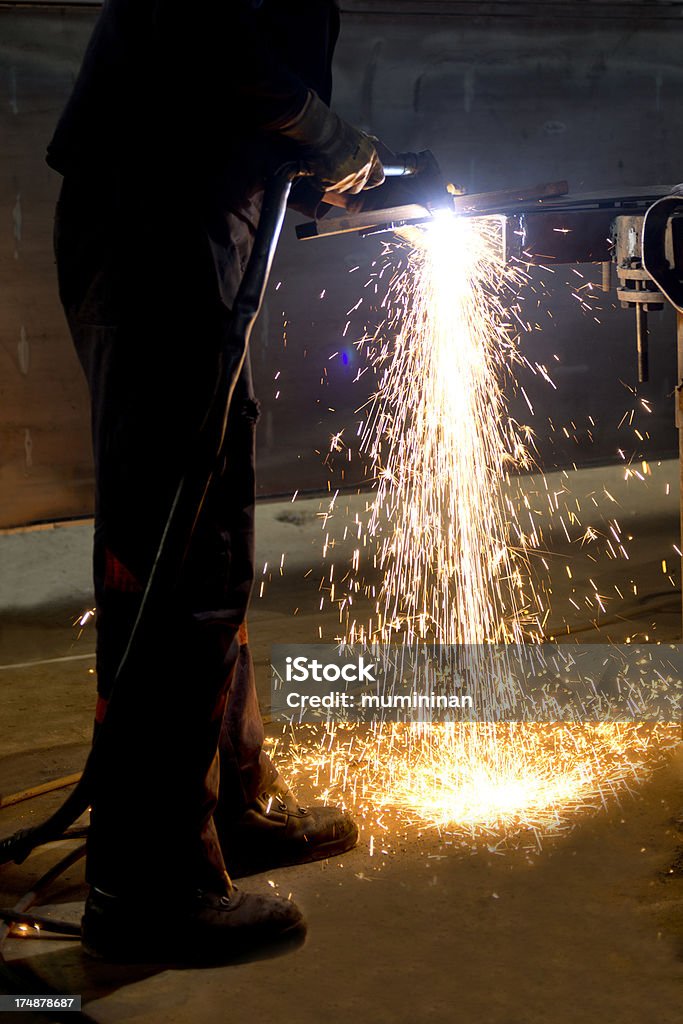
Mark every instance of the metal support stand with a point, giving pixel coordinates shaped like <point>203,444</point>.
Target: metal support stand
<point>636,289</point>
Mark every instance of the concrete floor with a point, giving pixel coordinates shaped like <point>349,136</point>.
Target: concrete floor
<point>588,929</point>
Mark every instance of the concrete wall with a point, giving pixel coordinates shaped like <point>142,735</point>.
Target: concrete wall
<point>504,93</point>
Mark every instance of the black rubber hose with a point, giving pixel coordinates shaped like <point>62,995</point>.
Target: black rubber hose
<point>45,924</point>
<point>30,898</point>
<point>18,846</point>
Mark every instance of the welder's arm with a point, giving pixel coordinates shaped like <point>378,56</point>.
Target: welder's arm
<point>342,158</point>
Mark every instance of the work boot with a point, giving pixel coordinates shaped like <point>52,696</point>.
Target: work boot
<point>203,928</point>
<point>275,832</point>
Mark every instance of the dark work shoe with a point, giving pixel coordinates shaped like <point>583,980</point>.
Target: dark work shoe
<point>203,929</point>
<point>275,832</point>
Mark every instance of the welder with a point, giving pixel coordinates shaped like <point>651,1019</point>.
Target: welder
<point>178,116</point>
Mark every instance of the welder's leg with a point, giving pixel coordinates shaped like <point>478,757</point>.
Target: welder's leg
<point>202,655</point>
<point>150,376</point>
<point>222,564</point>
<point>157,771</point>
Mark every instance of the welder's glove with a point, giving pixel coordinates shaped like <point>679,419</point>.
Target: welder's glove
<point>341,157</point>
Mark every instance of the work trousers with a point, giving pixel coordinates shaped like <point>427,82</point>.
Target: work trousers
<point>148,320</point>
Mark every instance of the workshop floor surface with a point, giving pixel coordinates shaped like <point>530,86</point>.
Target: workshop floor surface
<point>587,929</point>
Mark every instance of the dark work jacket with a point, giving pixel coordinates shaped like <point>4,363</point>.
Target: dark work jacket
<point>174,114</point>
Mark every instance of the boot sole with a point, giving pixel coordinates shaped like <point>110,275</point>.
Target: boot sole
<point>289,938</point>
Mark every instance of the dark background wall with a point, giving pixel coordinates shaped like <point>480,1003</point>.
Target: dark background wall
<point>505,94</point>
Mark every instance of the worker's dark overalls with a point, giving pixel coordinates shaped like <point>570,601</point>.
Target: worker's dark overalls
<point>163,162</point>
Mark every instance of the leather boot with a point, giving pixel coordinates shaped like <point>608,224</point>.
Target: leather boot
<point>275,831</point>
<point>201,928</point>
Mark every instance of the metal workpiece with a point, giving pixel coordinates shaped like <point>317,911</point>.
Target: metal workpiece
<point>374,221</point>
<point>573,227</point>
<point>546,224</point>
<point>548,221</point>
<point>430,196</point>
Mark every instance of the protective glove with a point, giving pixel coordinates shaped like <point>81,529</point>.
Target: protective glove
<point>342,158</point>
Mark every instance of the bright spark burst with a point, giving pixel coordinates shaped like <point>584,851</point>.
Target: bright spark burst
<point>442,446</point>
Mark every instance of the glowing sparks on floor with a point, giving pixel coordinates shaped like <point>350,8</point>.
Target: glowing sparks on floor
<point>475,780</point>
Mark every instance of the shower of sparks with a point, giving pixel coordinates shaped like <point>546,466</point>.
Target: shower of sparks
<point>451,548</point>
<point>441,444</point>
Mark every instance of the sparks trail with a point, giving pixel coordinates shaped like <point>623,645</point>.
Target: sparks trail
<point>441,444</point>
